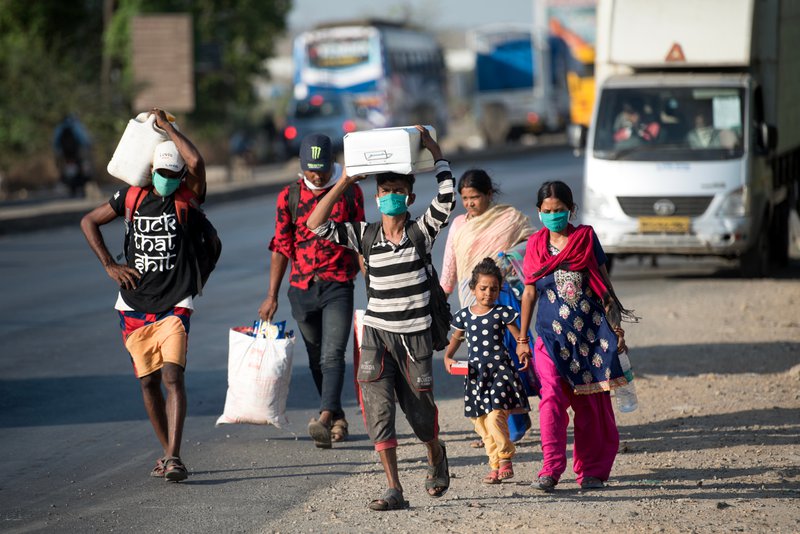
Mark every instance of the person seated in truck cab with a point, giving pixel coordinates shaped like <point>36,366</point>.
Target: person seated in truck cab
<point>705,135</point>
<point>636,124</point>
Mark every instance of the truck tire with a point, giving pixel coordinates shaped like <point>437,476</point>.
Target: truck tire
<point>756,261</point>
<point>495,125</point>
<point>779,234</point>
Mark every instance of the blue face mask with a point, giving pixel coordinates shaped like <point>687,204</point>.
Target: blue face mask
<point>165,186</point>
<point>393,204</point>
<point>555,222</point>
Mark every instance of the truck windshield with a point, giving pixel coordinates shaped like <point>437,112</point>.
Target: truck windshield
<point>670,124</point>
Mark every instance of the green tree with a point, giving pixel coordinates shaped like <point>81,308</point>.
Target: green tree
<point>232,41</point>
<point>51,63</point>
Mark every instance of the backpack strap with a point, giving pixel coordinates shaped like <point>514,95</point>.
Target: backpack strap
<point>185,199</point>
<point>418,238</point>
<point>294,200</point>
<point>368,240</point>
<point>349,197</point>
<point>133,198</point>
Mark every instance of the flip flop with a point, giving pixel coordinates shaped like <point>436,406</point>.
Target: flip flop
<point>438,478</point>
<point>477,444</point>
<point>392,500</point>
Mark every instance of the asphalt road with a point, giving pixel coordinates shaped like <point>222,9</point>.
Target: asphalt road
<point>76,446</point>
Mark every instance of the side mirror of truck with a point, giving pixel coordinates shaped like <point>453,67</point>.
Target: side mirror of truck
<point>576,137</point>
<point>767,137</point>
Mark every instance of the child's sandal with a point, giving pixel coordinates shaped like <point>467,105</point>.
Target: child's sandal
<point>491,478</point>
<point>506,470</point>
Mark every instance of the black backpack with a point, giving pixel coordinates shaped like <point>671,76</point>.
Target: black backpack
<point>205,242</point>
<point>439,308</point>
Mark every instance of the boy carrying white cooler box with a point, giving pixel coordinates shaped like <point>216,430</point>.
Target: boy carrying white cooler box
<point>387,150</point>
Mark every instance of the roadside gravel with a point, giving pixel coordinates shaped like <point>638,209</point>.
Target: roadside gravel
<point>714,446</point>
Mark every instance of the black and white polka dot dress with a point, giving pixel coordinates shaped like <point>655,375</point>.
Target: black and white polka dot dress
<point>492,382</point>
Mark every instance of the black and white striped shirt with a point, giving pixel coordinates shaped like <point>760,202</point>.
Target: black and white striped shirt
<point>399,294</point>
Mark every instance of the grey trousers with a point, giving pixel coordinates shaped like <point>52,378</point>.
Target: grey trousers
<point>397,366</point>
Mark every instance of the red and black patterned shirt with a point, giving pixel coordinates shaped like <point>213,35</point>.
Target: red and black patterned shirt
<point>311,256</point>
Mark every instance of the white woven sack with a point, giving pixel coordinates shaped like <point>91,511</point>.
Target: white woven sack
<point>259,374</point>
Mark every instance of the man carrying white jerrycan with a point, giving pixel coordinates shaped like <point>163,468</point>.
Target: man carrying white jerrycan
<point>157,283</point>
<point>397,344</point>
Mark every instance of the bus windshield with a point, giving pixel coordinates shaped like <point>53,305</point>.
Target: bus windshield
<point>345,52</point>
<point>670,124</point>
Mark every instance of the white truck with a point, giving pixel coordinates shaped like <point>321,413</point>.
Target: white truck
<point>694,143</point>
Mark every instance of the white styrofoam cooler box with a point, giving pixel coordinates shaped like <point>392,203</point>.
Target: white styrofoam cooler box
<point>387,150</point>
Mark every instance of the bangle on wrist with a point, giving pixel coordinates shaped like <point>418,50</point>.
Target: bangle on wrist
<point>523,339</point>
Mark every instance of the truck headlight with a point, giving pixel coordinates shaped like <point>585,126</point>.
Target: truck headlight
<point>735,203</point>
<point>596,204</point>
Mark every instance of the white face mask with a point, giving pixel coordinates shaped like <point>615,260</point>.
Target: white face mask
<point>335,176</point>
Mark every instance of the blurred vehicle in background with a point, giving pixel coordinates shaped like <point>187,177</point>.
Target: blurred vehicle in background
<point>520,85</point>
<point>395,73</point>
<point>332,114</point>
<point>574,23</point>
<point>694,147</point>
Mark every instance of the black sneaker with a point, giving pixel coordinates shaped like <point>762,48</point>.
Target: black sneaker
<point>546,484</point>
<point>592,483</point>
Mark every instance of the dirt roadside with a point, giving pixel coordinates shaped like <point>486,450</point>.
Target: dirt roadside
<point>714,446</point>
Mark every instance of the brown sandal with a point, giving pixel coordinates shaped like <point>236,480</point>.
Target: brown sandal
<point>174,470</point>
<point>339,430</point>
<point>158,470</point>
<point>320,433</point>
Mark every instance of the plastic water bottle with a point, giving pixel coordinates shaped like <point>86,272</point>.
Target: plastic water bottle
<point>626,395</point>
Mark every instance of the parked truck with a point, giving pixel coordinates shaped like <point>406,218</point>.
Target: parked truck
<point>694,146</point>
<point>517,88</point>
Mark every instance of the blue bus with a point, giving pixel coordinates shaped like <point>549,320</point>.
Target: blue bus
<point>396,75</point>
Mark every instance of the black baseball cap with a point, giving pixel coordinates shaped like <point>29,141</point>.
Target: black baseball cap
<point>316,153</point>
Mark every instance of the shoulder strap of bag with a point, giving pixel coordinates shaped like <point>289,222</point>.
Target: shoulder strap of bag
<point>416,237</point>
<point>368,240</point>
<point>133,198</point>
<point>185,199</point>
<point>294,200</point>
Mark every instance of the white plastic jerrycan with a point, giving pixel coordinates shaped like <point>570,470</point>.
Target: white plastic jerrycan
<point>134,154</point>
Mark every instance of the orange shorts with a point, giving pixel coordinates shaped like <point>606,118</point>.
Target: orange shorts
<point>153,345</point>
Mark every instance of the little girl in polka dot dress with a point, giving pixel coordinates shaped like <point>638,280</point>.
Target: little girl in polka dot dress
<point>492,388</point>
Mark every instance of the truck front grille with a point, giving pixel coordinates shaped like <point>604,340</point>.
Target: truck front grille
<point>645,206</point>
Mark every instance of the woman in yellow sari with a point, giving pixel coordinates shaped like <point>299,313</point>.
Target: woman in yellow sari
<point>486,230</point>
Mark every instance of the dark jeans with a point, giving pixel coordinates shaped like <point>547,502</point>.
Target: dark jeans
<point>324,315</point>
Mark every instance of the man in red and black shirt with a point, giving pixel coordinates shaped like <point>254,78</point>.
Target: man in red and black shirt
<point>321,281</point>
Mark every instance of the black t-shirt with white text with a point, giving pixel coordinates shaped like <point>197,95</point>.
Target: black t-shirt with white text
<point>157,249</point>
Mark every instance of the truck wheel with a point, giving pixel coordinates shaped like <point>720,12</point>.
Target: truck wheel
<point>495,125</point>
<point>755,262</point>
<point>779,247</point>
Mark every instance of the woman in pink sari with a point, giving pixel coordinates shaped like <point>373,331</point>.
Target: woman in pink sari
<point>576,356</point>
<point>484,231</point>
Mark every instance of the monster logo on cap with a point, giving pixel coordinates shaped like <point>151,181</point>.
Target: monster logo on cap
<point>316,153</point>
